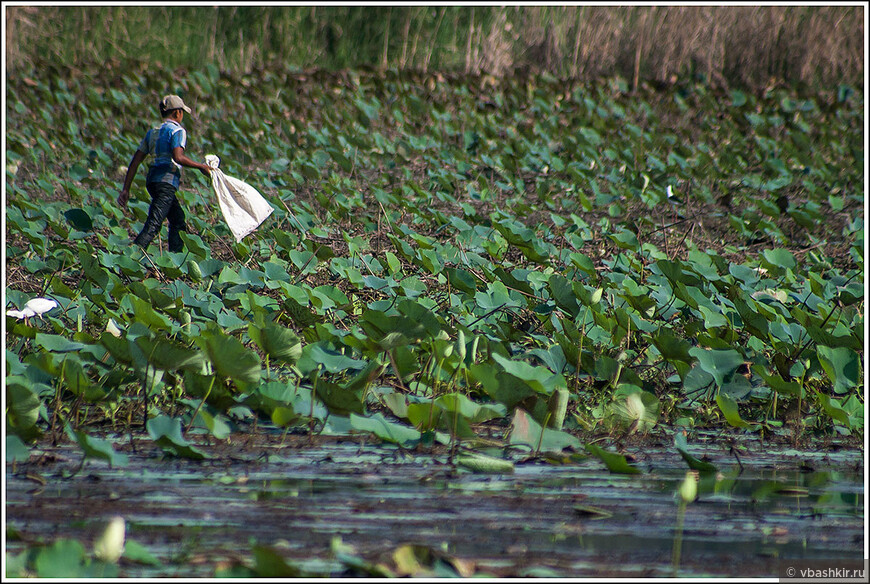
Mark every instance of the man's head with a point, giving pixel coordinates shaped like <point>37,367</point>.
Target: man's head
<point>171,103</point>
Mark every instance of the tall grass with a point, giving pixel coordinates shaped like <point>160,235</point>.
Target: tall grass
<point>746,45</point>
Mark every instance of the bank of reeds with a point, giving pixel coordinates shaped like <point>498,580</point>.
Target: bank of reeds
<point>737,45</point>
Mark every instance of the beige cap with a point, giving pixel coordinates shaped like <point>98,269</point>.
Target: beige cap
<point>173,102</point>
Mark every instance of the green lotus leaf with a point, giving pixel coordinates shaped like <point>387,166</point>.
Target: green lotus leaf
<point>145,313</point>
<point>728,407</point>
<point>268,563</point>
<point>501,386</point>
<point>331,360</point>
<point>338,399</point>
<point>392,432</point>
<point>57,343</point>
<point>278,342</point>
<point>16,450</point>
<point>834,409</point>
<point>680,443</point>
<point>169,355</point>
<point>100,448</point>
<point>79,219</point>
<point>65,558</point>
<point>461,280</point>
<point>22,407</point>
<point>778,258</point>
<point>526,431</point>
<point>166,432</point>
<point>230,358</point>
<point>475,413</point>
<point>721,364</point>
<point>842,367</point>
<point>615,463</point>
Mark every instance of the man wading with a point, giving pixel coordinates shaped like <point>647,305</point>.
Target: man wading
<point>166,144</point>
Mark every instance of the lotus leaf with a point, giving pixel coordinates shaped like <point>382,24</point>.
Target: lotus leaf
<point>526,431</point>
<point>385,430</point>
<point>166,432</point>
<point>94,447</point>
<point>230,358</point>
<point>615,463</point>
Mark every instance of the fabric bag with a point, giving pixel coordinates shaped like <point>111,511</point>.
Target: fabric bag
<point>243,207</point>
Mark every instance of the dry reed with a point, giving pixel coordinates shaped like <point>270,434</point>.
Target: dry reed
<point>743,45</point>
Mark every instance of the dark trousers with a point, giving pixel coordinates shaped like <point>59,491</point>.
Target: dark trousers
<point>164,205</point>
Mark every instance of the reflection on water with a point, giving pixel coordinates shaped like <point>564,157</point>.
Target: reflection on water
<point>568,520</point>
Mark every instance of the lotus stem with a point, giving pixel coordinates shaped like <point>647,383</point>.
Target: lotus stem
<point>196,413</point>
<point>678,538</point>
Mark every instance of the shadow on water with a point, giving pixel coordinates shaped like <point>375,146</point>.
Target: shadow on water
<point>558,520</point>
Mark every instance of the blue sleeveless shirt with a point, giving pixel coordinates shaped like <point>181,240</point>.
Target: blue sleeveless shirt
<point>160,142</point>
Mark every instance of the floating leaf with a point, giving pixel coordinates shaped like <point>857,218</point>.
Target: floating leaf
<point>480,463</point>
<point>589,512</point>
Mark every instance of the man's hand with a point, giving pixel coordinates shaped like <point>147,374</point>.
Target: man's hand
<point>138,157</point>
<point>205,169</point>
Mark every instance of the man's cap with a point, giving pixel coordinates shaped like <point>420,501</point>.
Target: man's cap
<point>173,102</point>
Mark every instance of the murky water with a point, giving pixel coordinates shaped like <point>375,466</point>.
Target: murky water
<point>543,520</point>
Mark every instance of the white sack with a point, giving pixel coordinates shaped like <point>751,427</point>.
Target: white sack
<point>244,208</point>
